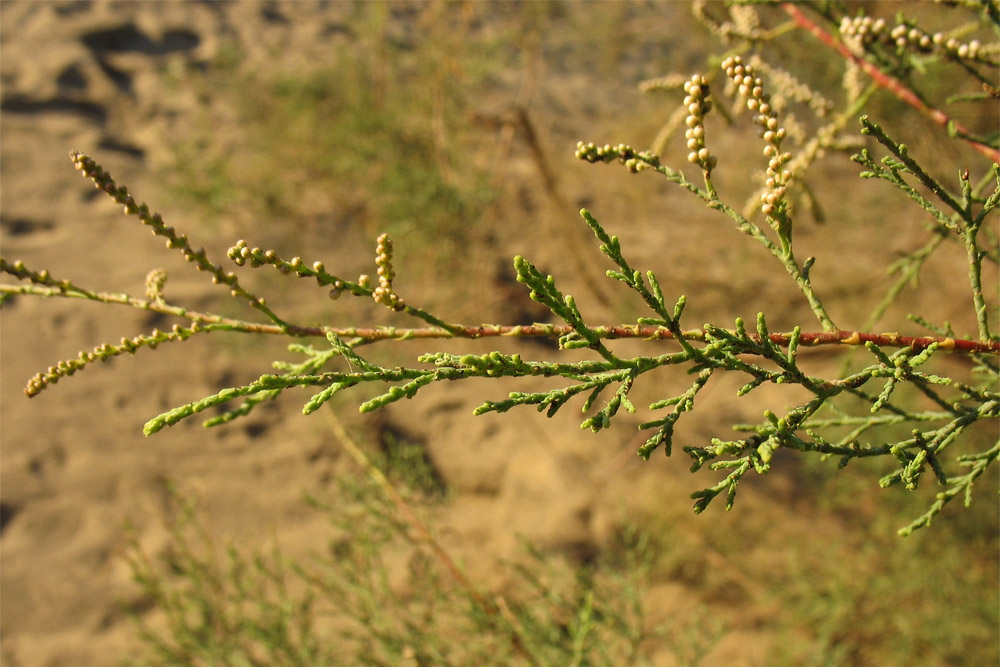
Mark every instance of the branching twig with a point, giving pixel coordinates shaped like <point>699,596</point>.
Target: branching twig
<point>858,413</point>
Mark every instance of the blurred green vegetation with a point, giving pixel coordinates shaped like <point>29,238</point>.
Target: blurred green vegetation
<point>373,136</point>
<point>376,596</point>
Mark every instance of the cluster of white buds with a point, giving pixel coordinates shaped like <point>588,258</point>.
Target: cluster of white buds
<point>155,280</point>
<point>625,154</point>
<point>906,36</point>
<point>698,103</point>
<point>859,31</point>
<point>241,252</point>
<point>972,50</point>
<point>383,260</point>
<point>751,87</point>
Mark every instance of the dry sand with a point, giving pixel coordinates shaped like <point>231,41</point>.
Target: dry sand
<point>75,466</point>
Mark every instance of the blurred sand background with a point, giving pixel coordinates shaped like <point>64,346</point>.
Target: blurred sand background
<point>132,85</point>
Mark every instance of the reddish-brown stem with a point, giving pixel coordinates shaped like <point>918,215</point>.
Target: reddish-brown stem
<point>651,332</point>
<point>884,80</point>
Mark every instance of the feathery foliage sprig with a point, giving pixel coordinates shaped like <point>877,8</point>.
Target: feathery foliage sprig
<point>857,414</point>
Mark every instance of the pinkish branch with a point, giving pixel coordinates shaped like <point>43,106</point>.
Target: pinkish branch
<point>620,331</point>
<point>552,331</point>
<point>885,81</point>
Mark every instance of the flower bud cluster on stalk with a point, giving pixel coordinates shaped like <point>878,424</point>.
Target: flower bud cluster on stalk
<point>751,88</point>
<point>634,161</point>
<point>698,103</point>
<point>383,260</point>
<point>859,32</point>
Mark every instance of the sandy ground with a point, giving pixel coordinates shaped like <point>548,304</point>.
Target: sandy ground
<point>75,466</point>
